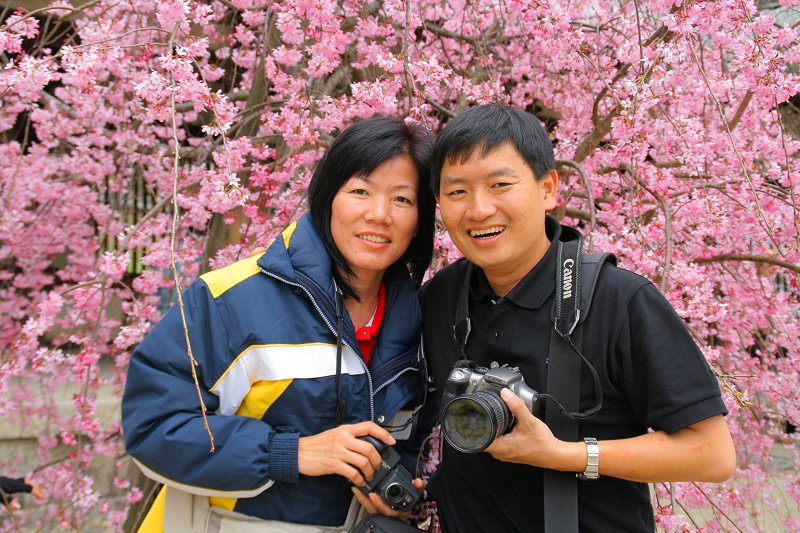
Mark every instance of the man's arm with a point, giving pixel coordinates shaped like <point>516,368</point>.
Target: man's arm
<point>702,451</point>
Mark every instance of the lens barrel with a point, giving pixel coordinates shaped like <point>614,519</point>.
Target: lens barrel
<point>472,421</point>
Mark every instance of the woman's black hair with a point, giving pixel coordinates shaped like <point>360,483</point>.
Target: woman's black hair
<point>357,151</point>
<point>485,127</point>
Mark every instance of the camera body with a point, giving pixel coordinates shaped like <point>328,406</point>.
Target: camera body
<point>474,414</point>
<point>392,482</point>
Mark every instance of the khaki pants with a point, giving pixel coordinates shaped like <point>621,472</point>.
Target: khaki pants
<point>189,513</point>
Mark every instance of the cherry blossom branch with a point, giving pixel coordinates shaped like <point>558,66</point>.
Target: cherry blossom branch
<point>792,193</point>
<point>737,116</point>
<point>760,210</point>
<point>716,507</point>
<point>157,208</point>
<point>675,502</point>
<point>57,7</point>
<point>765,259</point>
<point>589,194</point>
<point>668,237</point>
<point>173,232</point>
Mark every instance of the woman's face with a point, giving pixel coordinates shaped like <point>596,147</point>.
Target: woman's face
<point>374,217</point>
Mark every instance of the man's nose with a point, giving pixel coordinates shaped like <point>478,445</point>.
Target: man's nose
<point>481,206</point>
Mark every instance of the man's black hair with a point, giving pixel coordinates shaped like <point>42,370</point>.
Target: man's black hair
<point>486,127</point>
<point>357,151</point>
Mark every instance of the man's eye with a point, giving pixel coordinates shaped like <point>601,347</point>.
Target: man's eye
<point>500,185</point>
<point>456,192</point>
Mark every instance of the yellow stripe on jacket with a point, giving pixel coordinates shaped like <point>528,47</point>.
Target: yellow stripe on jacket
<point>258,400</point>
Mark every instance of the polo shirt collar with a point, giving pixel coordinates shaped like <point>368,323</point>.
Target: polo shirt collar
<point>537,285</point>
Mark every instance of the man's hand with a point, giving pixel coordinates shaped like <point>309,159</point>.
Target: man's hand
<point>340,451</point>
<point>374,504</point>
<point>702,451</point>
<point>530,442</point>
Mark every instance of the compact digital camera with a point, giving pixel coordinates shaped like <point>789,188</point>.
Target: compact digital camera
<point>473,413</point>
<point>391,481</point>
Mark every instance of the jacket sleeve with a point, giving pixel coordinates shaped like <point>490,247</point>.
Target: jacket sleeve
<point>162,419</point>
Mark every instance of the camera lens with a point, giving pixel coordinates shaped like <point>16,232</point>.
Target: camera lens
<point>394,493</point>
<point>472,421</point>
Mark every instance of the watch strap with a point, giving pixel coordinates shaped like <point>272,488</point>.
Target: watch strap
<point>592,459</point>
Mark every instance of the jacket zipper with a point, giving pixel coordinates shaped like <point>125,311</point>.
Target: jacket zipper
<point>394,378</point>
<point>332,330</point>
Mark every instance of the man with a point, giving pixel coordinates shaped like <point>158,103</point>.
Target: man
<point>494,178</point>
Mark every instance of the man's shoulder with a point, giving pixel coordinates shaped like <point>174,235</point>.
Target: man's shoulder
<point>615,277</point>
<point>445,281</point>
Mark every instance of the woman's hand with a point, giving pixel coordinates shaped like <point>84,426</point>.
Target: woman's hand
<point>374,504</point>
<point>340,451</point>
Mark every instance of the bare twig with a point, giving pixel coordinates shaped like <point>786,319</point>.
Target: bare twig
<point>740,110</point>
<point>662,202</point>
<point>749,258</point>
<point>589,194</point>
<point>172,234</point>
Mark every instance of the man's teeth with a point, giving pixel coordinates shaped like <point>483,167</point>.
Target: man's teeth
<point>484,232</point>
<point>373,238</point>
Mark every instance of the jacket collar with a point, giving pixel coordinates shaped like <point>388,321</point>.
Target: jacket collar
<point>299,253</point>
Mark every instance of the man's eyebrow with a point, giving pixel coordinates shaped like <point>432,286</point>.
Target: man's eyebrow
<point>500,171</point>
<point>503,171</point>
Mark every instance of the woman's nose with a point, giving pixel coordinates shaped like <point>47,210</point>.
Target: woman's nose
<point>379,211</point>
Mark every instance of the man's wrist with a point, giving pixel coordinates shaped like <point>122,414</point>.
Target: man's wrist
<point>592,470</point>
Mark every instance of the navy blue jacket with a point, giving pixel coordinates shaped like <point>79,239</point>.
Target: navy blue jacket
<point>263,332</point>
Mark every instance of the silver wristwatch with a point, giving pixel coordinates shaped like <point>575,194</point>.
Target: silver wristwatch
<point>592,460</point>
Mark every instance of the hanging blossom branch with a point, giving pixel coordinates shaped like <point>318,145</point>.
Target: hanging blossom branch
<point>761,214</point>
<point>173,231</point>
<point>796,212</point>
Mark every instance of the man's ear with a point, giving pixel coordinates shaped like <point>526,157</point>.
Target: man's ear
<point>550,190</point>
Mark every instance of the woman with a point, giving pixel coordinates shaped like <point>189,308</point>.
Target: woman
<point>301,350</point>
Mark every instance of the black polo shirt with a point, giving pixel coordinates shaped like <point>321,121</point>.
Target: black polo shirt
<point>652,373</point>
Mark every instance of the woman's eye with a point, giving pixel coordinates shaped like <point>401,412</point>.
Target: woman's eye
<point>404,200</point>
<point>360,192</point>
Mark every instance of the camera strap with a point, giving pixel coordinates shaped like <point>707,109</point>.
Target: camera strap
<point>338,380</point>
<point>576,277</point>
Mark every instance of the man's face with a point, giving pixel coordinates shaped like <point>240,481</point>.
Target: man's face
<point>494,209</point>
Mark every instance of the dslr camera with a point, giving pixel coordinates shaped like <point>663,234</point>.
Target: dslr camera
<point>473,413</point>
<point>391,481</point>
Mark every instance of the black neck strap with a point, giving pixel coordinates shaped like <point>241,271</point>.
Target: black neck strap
<point>338,380</point>
<point>567,311</point>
